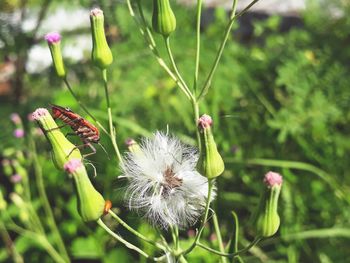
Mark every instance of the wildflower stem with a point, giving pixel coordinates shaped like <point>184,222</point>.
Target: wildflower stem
<point>40,239</point>
<point>10,247</point>
<point>147,34</point>
<point>233,18</point>
<point>196,117</point>
<point>206,212</point>
<point>233,244</point>
<point>122,240</point>
<point>218,235</point>
<point>46,204</point>
<point>198,44</point>
<point>253,243</point>
<point>136,233</point>
<point>83,106</point>
<point>177,73</point>
<point>110,118</point>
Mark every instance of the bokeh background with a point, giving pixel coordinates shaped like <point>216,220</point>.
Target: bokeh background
<point>280,101</point>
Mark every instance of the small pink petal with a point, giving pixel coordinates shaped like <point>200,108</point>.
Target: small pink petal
<point>129,142</point>
<point>72,165</point>
<point>205,121</point>
<point>15,118</point>
<point>18,133</point>
<point>16,178</point>
<point>39,113</point>
<point>271,179</point>
<point>53,37</point>
<point>96,12</point>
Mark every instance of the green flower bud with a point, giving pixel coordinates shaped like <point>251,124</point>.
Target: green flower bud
<point>91,205</point>
<point>62,149</point>
<point>267,220</point>
<point>213,165</point>
<point>54,41</point>
<point>101,54</point>
<point>163,18</point>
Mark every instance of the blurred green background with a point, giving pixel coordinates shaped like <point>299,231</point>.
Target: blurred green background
<point>280,101</point>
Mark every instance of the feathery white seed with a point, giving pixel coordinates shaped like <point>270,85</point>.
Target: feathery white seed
<point>163,184</point>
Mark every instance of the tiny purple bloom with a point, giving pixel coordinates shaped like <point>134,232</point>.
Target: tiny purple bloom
<point>39,113</point>
<point>18,133</point>
<point>72,165</point>
<point>129,142</point>
<point>271,179</point>
<point>16,178</point>
<point>15,118</point>
<point>205,121</point>
<point>53,37</point>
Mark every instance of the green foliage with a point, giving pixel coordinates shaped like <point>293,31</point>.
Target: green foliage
<point>279,96</point>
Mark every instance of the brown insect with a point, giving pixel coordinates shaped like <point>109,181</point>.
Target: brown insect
<point>86,131</point>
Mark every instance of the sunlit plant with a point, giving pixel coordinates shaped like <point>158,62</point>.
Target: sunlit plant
<point>168,183</point>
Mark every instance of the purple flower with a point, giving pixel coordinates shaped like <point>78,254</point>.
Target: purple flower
<point>16,178</point>
<point>15,118</point>
<point>53,37</point>
<point>205,121</point>
<point>18,133</point>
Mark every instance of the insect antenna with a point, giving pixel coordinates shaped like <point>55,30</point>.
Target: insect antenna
<point>104,149</point>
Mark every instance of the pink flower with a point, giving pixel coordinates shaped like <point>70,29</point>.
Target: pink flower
<point>72,165</point>
<point>15,118</point>
<point>271,179</point>
<point>53,37</point>
<point>16,178</point>
<point>18,133</point>
<point>205,121</point>
<point>39,113</point>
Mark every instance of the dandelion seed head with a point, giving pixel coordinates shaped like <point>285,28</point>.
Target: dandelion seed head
<point>163,184</point>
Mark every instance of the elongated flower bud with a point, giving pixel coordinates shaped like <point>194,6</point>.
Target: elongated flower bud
<point>213,165</point>
<point>268,220</point>
<point>101,54</point>
<point>63,150</point>
<point>54,41</point>
<point>91,205</point>
<point>163,18</point>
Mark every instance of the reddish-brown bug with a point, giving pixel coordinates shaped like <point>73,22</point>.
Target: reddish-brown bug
<point>108,206</point>
<point>87,132</point>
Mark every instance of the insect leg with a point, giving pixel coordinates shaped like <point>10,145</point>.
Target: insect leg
<point>91,147</point>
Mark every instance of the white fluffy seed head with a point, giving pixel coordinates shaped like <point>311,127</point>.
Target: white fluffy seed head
<point>163,184</point>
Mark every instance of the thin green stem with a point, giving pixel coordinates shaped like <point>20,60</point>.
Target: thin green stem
<point>218,235</point>
<point>10,247</point>
<point>219,53</point>
<point>135,232</point>
<point>233,244</point>
<point>177,73</point>
<point>83,106</point>
<point>253,243</point>
<point>40,239</point>
<point>110,118</point>
<point>46,204</point>
<point>196,117</point>
<point>147,34</point>
<point>122,240</point>
<point>206,212</point>
<point>198,45</point>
